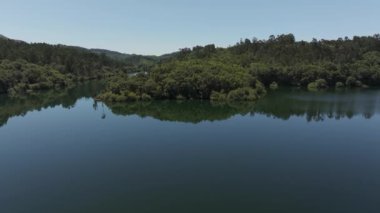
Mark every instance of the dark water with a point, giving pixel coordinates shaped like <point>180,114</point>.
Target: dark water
<point>293,151</point>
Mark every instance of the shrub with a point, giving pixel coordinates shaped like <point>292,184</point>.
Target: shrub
<point>351,81</point>
<point>260,89</point>
<point>146,97</point>
<point>242,94</point>
<point>218,96</point>
<point>119,98</point>
<point>180,97</point>
<point>339,85</point>
<point>273,86</point>
<point>318,84</point>
<point>131,96</point>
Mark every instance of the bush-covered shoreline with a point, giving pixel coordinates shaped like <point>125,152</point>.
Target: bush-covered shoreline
<point>27,67</point>
<point>243,71</point>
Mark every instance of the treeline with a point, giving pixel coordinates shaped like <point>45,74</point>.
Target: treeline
<point>20,76</point>
<point>66,59</point>
<point>132,62</point>
<point>283,60</point>
<point>195,79</point>
<point>240,71</point>
<point>343,62</point>
<point>26,67</point>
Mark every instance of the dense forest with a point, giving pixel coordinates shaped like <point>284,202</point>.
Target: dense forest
<point>244,71</point>
<point>35,66</point>
<point>241,72</point>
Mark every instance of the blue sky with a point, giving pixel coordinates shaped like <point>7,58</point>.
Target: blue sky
<point>162,26</point>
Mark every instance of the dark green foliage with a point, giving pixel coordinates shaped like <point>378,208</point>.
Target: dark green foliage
<point>218,96</point>
<point>273,86</point>
<point>132,62</point>
<point>287,62</point>
<point>318,84</point>
<point>43,62</point>
<point>242,94</point>
<point>212,73</point>
<point>207,72</point>
<point>20,77</point>
<point>339,84</point>
<point>74,60</point>
<point>195,79</point>
<point>351,81</point>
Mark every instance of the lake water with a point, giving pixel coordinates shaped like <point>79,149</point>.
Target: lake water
<point>293,151</point>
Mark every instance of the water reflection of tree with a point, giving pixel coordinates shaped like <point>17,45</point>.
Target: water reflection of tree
<point>182,111</point>
<point>20,106</point>
<point>280,105</point>
<point>320,106</point>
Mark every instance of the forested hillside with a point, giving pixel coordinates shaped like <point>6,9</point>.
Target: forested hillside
<point>27,67</point>
<point>238,72</point>
<point>66,59</point>
<point>134,63</point>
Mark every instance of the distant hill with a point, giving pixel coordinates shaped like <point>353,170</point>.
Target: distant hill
<point>26,67</point>
<point>131,59</point>
<point>124,57</point>
<point>6,38</point>
<point>132,62</point>
<point>111,54</point>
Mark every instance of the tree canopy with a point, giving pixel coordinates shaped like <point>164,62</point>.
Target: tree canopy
<point>35,66</point>
<point>240,71</point>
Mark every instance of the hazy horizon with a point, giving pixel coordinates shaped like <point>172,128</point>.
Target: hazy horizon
<point>160,27</point>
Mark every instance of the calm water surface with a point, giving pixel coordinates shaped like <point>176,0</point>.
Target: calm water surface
<point>293,151</point>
